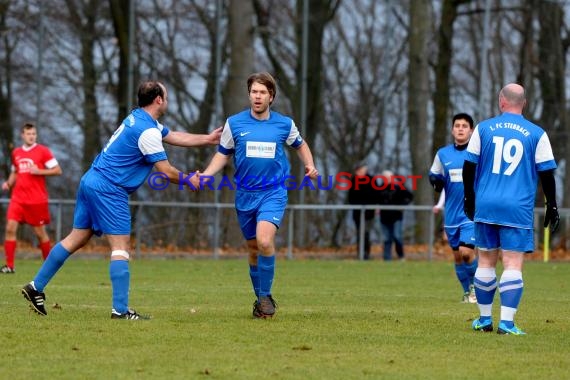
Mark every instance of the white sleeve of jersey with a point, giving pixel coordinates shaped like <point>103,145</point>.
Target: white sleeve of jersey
<point>436,167</point>
<point>52,163</point>
<point>475,142</point>
<point>150,142</point>
<point>293,134</point>
<point>543,150</point>
<point>227,139</point>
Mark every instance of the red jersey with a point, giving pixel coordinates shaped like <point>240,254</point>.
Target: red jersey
<point>29,188</point>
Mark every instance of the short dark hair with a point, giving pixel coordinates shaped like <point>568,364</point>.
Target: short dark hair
<point>265,79</point>
<point>463,116</point>
<point>148,91</point>
<point>28,126</point>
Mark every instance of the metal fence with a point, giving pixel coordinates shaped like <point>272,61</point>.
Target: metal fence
<point>214,215</point>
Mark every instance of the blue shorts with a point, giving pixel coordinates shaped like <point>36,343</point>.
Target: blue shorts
<point>101,206</point>
<point>460,235</point>
<point>494,236</point>
<point>255,206</point>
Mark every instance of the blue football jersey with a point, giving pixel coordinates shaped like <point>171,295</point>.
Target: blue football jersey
<point>448,166</point>
<point>509,152</point>
<point>130,154</point>
<point>260,160</point>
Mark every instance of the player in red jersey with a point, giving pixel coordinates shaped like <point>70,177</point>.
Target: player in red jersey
<point>31,163</point>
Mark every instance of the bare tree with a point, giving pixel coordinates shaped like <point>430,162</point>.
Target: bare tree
<point>284,49</point>
<point>551,74</point>
<point>120,16</point>
<point>442,72</point>
<point>360,70</point>
<point>83,21</point>
<point>418,101</point>
<point>241,61</point>
<point>8,43</point>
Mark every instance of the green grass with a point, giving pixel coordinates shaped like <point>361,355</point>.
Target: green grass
<point>337,320</point>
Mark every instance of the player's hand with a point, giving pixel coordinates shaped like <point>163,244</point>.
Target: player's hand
<point>435,210</point>
<point>195,181</point>
<point>34,170</point>
<point>215,136</point>
<point>311,171</point>
<point>5,186</point>
<point>469,208</point>
<point>551,218</point>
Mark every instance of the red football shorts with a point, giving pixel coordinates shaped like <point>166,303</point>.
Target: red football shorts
<point>33,214</point>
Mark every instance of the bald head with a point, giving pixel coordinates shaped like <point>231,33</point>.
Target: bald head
<point>512,98</point>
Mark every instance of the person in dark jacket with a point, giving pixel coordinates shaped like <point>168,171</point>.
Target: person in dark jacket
<point>362,193</point>
<point>393,193</point>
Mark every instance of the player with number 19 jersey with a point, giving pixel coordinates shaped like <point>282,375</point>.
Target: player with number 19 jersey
<point>515,150</point>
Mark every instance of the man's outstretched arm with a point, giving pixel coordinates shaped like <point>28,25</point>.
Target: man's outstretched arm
<point>190,139</point>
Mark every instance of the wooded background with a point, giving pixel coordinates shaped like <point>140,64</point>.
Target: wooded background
<point>363,79</point>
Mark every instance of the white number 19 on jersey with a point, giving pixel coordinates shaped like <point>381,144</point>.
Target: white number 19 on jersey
<point>504,151</point>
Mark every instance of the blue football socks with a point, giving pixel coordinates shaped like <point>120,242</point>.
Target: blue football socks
<point>266,269</point>
<point>471,269</point>
<point>120,279</point>
<point>462,276</point>
<point>254,275</point>
<point>510,289</point>
<point>485,286</point>
<point>51,265</point>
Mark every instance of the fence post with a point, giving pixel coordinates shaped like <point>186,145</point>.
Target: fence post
<point>217,233</point>
<point>361,234</point>
<point>290,233</point>
<point>59,213</point>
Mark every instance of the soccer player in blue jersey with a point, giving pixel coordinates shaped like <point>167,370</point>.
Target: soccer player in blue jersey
<point>102,205</point>
<point>446,174</point>
<point>505,157</point>
<point>256,138</point>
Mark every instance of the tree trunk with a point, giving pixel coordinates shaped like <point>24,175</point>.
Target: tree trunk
<point>240,35</point>
<point>91,122</point>
<point>418,100</point>
<point>551,76</point>
<point>6,131</point>
<point>120,17</point>
<point>442,74</point>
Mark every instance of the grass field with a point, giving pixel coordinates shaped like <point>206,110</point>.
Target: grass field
<point>336,320</point>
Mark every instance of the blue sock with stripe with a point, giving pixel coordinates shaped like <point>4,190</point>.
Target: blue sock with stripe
<point>510,289</point>
<point>120,280</point>
<point>266,268</point>
<point>51,265</point>
<point>485,282</point>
